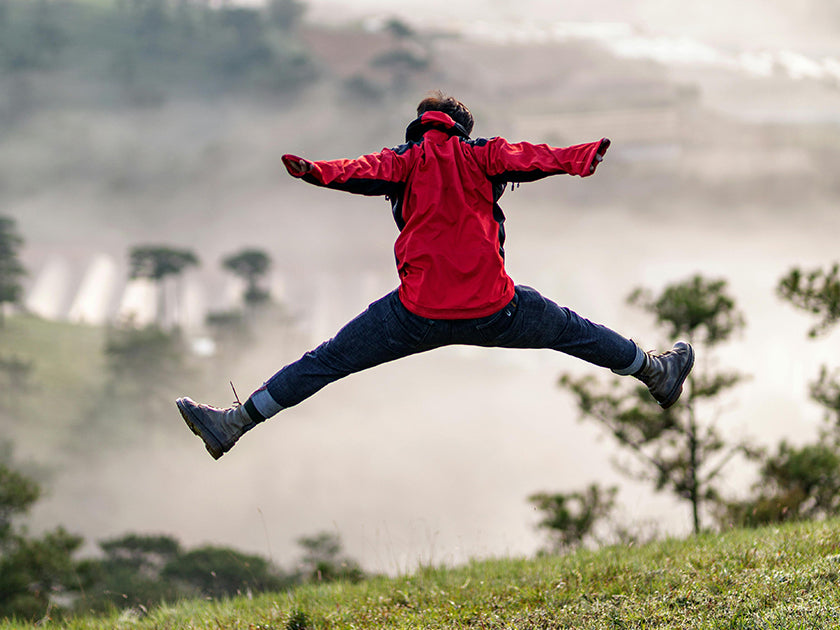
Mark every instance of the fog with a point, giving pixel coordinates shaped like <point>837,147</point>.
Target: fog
<point>714,169</point>
<point>809,26</point>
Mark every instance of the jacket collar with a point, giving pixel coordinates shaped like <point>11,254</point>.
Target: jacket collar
<point>434,120</point>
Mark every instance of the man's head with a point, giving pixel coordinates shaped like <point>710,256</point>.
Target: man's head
<point>437,101</point>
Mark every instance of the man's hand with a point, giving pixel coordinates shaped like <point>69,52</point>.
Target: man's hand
<point>296,166</point>
<point>599,156</point>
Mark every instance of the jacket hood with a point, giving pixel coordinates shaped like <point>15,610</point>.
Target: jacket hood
<point>433,120</point>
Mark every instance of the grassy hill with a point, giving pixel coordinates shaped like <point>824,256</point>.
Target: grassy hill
<point>780,577</point>
<point>66,366</point>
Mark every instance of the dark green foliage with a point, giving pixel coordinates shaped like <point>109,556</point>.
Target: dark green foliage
<point>251,265</point>
<point>157,262</point>
<point>569,519</point>
<point>816,291</point>
<point>219,572</point>
<point>826,391</point>
<point>672,449</point>
<point>32,570</point>
<point>697,308</point>
<point>797,483</point>
<point>17,494</point>
<point>142,571</point>
<point>11,269</point>
<point>802,482</point>
<point>322,560</point>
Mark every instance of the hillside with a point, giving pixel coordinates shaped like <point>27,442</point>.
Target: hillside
<point>782,577</point>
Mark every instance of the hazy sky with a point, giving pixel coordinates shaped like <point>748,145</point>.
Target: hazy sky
<point>808,24</point>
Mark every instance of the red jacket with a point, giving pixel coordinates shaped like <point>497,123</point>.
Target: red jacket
<point>444,190</point>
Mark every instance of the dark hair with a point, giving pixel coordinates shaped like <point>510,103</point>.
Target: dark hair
<point>437,101</point>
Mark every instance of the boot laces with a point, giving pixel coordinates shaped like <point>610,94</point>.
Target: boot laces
<point>236,402</point>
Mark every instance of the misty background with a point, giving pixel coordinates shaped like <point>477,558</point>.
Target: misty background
<point>724,121</point>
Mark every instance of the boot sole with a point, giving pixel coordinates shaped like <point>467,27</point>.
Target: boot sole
<point>193,421</point>
<point>675,394</point>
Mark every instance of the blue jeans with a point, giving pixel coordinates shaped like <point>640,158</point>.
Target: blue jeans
<point>387,331</point>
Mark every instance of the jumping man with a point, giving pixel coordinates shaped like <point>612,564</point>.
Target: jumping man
<point>444,190</point>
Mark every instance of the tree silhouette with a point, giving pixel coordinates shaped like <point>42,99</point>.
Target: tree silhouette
<point>251,265</point>
<point>570,518</point>
<point>157,263</point>
<point>322,560</point>
<point>11,269</point>
<point>672,448</point>
<point>33,571</point>
<point>817,292</point>
<point>802,482</point>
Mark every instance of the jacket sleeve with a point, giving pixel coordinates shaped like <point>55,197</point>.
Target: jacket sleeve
<point>374,174</point>
<point>526,162</point>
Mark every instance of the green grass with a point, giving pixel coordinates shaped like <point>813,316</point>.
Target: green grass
<point>780,577</point>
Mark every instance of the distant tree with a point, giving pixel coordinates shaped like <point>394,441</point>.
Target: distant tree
<point>672,448</point>
<point>802,482</point>
<point>398,29</point>
<point>33,571</point>
<point>141,571</point>
<point>569,519</point>
<point>408,55</point>
<point>158,263</point>
<point>816,291</point>
<point>285,14</point>
<point>403,63</point>
<point>11,269</point>
<point>251,265</point>
<point>796,483</point>
<point>221,572</point>
<point>826,392</point>
<point>17,493</point>
<point>129,574</point>
<point>145,553</point>
<point>323,561</point>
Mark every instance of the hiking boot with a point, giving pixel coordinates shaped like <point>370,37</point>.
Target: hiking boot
<point>664,374</point>
<point>218,428</point>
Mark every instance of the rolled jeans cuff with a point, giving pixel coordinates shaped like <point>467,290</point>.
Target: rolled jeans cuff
<point>635,366</point>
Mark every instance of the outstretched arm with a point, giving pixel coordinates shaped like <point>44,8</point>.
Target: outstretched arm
<point>525,162</point>
<point>375,174</point>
